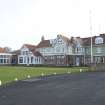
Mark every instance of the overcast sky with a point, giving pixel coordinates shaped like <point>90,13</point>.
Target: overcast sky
<point>25,21</point>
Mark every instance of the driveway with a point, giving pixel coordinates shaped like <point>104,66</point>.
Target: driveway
<point>68,89</point>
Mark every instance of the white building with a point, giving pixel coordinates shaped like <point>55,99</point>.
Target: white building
<point>61,51</point>
<point>5,58</point>
<point>55,51</point>
<point>29,55</point>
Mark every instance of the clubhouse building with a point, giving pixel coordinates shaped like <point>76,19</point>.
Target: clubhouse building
<point>61,51</point>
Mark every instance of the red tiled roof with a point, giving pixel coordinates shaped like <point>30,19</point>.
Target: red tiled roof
<point>66,39</point>
<point>30,47</point>
<point>2,50</point>
<point>44,43</point>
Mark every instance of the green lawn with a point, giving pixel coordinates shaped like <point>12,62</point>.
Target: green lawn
<point>9,73</point>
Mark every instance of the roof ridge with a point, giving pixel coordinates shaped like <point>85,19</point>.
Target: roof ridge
<point>44,43</point>
<point>29,44</point>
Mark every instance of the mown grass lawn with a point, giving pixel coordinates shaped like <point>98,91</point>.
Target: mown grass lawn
<point>9,73</point>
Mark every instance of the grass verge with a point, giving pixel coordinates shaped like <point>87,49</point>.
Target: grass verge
<point>9,73</point>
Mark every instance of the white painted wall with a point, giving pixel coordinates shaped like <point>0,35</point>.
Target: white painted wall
<point>29,58</point>
<point>6,58</point>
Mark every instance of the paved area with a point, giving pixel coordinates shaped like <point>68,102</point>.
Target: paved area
<point>67,89</point>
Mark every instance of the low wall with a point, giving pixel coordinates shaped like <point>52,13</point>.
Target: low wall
<point>97,67</point>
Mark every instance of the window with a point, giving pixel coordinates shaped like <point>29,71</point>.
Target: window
<point>47,49</point>
<point>99,60</point>
<point>1,61</point>
<point>21,60</point>
<point>98,50</point>
<point>13,60</point>
<point>4,56</point>
<point>28,59</point>
<point>98,40</point>
<point>26,52</point>
<point>35,60</point>
<point>23,52</point>
<point>58,49</point>
<point>87,50</point>
<point>78,50</point>
<point>51,58</point>
<point>4,60</point>
<point>82,49</point>
<point>39,59</point>
<point>25,59</point>
<point>1,56</point>
<point>8,56</point>
<point>31,59</point>
<point>63,57</point>
<point>63,49</point>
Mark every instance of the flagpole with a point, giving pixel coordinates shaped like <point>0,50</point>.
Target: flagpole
<point>90,13</point>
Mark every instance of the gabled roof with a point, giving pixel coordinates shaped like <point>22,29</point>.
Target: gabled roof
<point>44,43</point>
<point>3,50</point>
<point>86,41</point>
<point>30,47</point>
<point>66,39</point>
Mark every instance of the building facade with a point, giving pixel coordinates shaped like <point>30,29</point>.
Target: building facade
<point>55,51</point>
<point>98,49</point>
<point>61,51</point>
<point>74,51</point>
<point>28,55</point>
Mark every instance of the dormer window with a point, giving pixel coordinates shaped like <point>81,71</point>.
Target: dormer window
<point>99,40</point>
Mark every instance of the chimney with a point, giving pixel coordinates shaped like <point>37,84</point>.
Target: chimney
<point>102,34</point>
<point>78,37</point>
<point>42,38</point>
